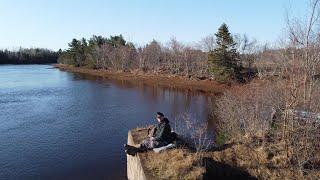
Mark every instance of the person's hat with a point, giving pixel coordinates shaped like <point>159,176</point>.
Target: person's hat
<point>160,114</point>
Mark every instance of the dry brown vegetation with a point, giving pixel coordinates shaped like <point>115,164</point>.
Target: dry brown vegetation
<point>177,163</point>
<point>174,164</point>
<point>250,154</point>
<point>278,122</point>
<point>270,142</point>
<point>268,161</point>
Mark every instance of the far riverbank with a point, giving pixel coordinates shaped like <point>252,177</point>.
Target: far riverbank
<point>162,80</point>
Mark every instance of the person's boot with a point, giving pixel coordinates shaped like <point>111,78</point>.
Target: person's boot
<point>131,152</point>
<point>126,146</point>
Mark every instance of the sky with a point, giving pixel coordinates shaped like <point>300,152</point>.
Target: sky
<point>53,24</point>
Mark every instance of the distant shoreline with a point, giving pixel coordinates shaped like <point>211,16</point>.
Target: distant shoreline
<point>162,80</point>
<point>28,64</point>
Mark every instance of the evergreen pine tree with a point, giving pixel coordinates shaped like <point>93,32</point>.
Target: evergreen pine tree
<point>223,59</point>
<point>74,52</point>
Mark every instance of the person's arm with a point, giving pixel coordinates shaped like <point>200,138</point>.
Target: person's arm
<point>164,132</point>
<point>159,132</point>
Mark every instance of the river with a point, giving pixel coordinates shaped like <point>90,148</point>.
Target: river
<point>61,125</point>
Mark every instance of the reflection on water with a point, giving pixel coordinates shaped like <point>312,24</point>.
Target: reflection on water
<point>179,101</point>
<point>61,125</point>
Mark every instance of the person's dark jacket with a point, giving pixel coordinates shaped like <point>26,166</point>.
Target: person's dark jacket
<point>163,131</point>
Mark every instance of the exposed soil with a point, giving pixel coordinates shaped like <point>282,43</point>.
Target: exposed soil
<point>162,80</point>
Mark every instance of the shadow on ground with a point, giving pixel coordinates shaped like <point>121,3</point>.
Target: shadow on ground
<point>217,170</point>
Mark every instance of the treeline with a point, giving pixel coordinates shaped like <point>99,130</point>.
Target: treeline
<point>28,56</point>
<point>116,53</point>
<point>200,60</point>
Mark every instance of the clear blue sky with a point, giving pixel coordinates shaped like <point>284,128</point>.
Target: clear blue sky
<point>53,24</point>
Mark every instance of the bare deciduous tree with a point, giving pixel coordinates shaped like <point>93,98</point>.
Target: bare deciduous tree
<point>305,54</point>
<point>207,43</point>
<point>247,48</point>
<point>105,55</point>
<point>150,57</point>
<point>193,133</point>
<point>249,114</point>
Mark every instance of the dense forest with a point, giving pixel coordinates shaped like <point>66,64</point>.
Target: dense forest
<point>28,56</point>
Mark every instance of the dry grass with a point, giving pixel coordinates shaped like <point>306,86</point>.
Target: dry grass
<point>139,134</point>
<point>267,155</point>
<point>267,161</point>
<point>174,164</point>
<point>261,159</point>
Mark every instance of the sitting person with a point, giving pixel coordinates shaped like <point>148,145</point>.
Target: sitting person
<point>157,137</point>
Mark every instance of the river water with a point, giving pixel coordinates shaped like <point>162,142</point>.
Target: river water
<point>61,125</point>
